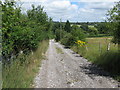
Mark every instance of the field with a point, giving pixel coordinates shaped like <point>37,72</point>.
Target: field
<point>103,52</point>
<point>21,74</point>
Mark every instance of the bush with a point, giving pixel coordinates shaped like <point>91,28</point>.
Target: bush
<point>59,34</point>
<point>93,30</point>
<point>68,39</point>
<point>23,32</point>
<point>78,33</point>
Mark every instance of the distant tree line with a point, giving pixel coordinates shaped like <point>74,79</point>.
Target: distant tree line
<point>67,34</point>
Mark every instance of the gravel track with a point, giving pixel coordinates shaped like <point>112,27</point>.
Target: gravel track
<point>70,70</point>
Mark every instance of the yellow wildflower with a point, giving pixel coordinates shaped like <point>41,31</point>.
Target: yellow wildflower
<point>80,43</point>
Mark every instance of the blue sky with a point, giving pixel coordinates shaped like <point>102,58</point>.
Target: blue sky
<point>79,4</point>
<point>73,10</point>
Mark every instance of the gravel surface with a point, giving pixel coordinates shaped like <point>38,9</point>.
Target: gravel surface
<point>70,70</point>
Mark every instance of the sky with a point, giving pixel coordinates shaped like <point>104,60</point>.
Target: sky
<point>73,10</point>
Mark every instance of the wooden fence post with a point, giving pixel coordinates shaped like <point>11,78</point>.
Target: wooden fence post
<point>86,47</point>
<point>108,47</point>
<point>100,47</point>
<point>32,52</point>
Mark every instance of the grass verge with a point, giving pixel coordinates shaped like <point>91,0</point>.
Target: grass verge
<point>21,75</point>
<point>97,53</point>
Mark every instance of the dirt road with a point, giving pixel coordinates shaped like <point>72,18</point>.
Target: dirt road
<point>65,69</point>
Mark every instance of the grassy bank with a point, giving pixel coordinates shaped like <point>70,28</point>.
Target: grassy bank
<point>96,50</point>
<point>21,75</point>
<point>99,35</point>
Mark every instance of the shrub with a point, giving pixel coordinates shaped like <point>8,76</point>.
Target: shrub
<point>23,32</point>
<point>68,39</point>
<point>78,34</point>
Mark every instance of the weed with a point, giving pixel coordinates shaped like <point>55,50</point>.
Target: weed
<point>97,52</point>
<point>21,75</point>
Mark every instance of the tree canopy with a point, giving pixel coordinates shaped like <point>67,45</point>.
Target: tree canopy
<point>114,18</point>
<point>23,32</point>
<point>67,26</point>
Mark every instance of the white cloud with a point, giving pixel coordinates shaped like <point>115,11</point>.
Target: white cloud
<point>93,10</point>
<point>32,0</point>
<point>69,0</point>
<point>100,5</point>
<point>60,9</point>
<point>94,0</point>
<point>59,4</point>
<point>86,10</point>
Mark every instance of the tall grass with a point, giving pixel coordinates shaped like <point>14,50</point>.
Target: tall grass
<point>99,35</point>
<point>0,75</point>
<point>21,74</point>
<point>97,53</point>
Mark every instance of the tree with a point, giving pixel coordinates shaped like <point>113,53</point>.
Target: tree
<point>77,33</point>
<point>93,30</point>
<point>67,27</point>
<point>103,27</point>
<point>22,32</point>
<point>10,18</point>
<point>59,34</point>
<point>84,27</point>
<point>68,39</point>
<point>114,18</point>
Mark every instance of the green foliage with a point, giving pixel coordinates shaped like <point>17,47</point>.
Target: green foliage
<point>110,61</point>
<point>67,27</point>
<point>57,25</point>
<point>100,35</point>
<point>8,22</point>
<point>68,35</point>
<point>114,18</point>
<point>23,69</point>
<point>93,30</point>
<point>103,28</point>
<point>96,28</point>
<point>97,53</point>
<point>21,32</point>
<point>89,29</point>
<point>85,27</point>
<point>58,34</point>
<point>68,39</point>
<point>76,33</point>
<point>58,30</point>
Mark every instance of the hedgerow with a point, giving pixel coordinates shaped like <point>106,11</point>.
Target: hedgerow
<point>22,32</point>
